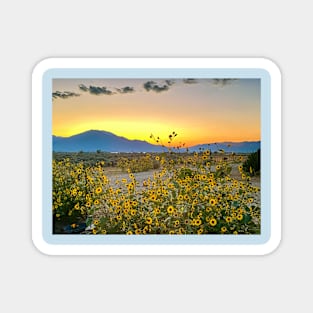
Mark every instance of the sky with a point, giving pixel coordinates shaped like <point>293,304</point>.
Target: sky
<point>199,110</point>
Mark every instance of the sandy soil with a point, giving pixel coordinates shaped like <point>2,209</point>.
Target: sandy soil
<point>115,174</point>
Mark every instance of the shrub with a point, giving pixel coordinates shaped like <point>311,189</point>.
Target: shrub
<point>253,164</point>
<point>139,163</point>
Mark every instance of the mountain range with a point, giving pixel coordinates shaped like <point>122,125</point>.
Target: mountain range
<point>94,140</point>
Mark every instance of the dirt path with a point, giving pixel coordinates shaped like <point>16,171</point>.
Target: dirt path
<point>255,180</point>
<point>116,174</point>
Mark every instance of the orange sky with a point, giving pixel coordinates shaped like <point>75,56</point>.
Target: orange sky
<point>200,111</point>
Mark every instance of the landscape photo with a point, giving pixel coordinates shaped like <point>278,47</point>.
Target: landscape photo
<point>179,156</point>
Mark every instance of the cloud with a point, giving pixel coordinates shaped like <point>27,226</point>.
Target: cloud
<point>217,81</point>
<point>151,85</point>
<point>190,81</point>
<point>100,91</point>
<point>95,90</point>
<point>64,94</point>
<point>223,82</point>
<point>126,89</point>
<point>170,82</point>
<point>83,87</point>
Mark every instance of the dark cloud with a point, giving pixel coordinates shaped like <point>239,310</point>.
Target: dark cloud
<point>126,89</point>
<point>190,81</point>
<point>151,85</point>
<point>64,94</point>
<point>222,82</point>
<point>95,90</point>
<point>83,87</point>
<point>169,82</point>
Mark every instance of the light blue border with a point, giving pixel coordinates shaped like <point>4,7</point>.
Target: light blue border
<point>163,73</point>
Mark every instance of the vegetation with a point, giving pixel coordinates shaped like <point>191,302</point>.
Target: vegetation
<point>187,193</point>
<point>253,164</point>
<point>141,163</point>
<point>88,158</point>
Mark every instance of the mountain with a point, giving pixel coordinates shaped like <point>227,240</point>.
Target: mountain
<point>93,140</point>
<point>236,147</point>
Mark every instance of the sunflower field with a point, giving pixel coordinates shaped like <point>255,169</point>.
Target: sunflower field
<point>190,193</point>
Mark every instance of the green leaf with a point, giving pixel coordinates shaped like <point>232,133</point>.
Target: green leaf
<point>236,204</point>
<point>89,221</point>
<point>174,194</point>
<point>246,218</point>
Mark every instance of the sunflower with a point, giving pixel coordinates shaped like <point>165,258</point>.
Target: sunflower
<point>239,217</point>
<point>153,197</point>
<point>98,190</point>
<point>213,201</point>
<point>228,219</point>
<point>197,222</point>
<point>170,209</point>
<point>186,197</point>
<point>223,229</point>
<point>213,221</point>
<point>157,211</point>
<point>239,210</point>
<point>149,220</point>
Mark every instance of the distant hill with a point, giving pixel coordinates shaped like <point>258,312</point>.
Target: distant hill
<point>236,147</point>
<point>93,140</point>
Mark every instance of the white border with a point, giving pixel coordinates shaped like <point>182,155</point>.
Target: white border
<point>79,249</point>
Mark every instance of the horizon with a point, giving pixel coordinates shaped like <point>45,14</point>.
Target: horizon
<point>204,143</point>
<point>198,110</point>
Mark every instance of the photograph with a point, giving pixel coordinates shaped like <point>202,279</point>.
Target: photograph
<point>156,156</point>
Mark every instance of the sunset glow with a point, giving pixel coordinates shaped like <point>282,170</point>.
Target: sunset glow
<point>199,111</point>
